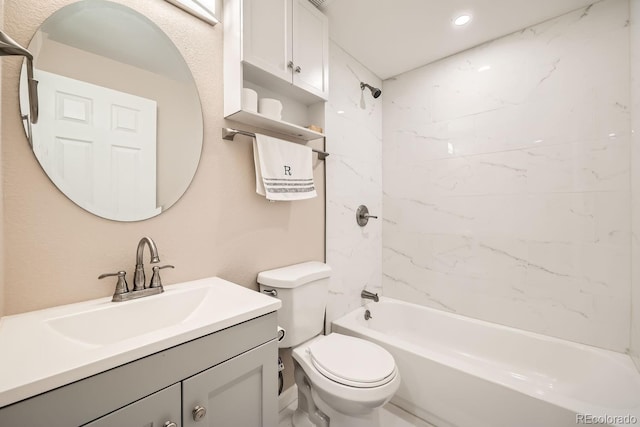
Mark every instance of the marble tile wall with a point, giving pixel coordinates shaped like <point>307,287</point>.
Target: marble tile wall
<point>353,120</point>
<point>506,179</point>
<point>635,173</point>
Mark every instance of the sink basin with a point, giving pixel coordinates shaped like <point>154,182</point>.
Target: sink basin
<point>110,323</point>
<point>46,349</point>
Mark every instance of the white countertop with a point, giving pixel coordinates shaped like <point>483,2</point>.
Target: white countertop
<point>36,357</point>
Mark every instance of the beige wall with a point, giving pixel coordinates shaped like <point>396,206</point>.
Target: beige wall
<point>54,250</point>
<point>1,195</point>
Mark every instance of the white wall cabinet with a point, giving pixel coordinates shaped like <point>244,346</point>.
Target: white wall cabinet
<point>287,38</point>
<point>310,51</point>
<point>267,35</point>
<point>229,376</point>
<point>280,48</point>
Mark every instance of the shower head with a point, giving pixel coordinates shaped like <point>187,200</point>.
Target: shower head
<point>374,90</point>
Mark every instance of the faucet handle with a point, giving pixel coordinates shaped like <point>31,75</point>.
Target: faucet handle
<point>121,285</point>
<point>156,282</point>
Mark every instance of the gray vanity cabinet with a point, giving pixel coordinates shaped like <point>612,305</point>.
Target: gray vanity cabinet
<point>234,393</point>
<point>160,409</point>
<point>232,375</point>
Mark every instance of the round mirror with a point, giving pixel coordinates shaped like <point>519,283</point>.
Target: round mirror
<point>120,124</point>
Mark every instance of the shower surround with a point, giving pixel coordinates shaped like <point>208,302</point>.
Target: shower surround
<point>506,180</point>
<point>353,119</point>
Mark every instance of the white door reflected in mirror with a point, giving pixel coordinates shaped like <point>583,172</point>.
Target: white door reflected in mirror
<point>99,147</point>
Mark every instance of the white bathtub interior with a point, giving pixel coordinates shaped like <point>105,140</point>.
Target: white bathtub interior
<point>480,364</point>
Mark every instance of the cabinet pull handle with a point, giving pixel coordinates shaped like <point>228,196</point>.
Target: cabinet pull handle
<point>290,64</point>
<point>298,69</point>
<point>170,424</point>
<point>198,413</point>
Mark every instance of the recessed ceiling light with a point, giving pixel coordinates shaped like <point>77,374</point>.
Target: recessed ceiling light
<point>484,68</point>
<point>462,20</point>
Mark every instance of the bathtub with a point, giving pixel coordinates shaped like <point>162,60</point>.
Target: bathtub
<point>463,372</point>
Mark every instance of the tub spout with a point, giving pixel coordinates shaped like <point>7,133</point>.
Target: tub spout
<point>369,295</point>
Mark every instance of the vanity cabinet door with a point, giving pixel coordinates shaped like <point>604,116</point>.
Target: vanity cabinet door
<point>160,409</point>
<point>241,392</point>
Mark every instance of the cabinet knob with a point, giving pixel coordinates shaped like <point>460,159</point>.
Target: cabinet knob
<point>298,69</point>
<point>170,424</point>
<point>290,64</point>
<point>198,413</point>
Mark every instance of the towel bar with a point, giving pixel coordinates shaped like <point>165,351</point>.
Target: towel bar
<point>229,134</point>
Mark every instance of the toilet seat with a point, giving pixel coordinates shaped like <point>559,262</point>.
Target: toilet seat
<point>352,361</point>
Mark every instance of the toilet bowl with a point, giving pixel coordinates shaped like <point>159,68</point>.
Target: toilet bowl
<point>342,380</point>
<point>348,379</point>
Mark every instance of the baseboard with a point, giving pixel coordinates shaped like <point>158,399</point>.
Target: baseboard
<point>287,397</point>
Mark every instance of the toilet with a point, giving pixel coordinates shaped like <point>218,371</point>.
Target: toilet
<point>342,380</point>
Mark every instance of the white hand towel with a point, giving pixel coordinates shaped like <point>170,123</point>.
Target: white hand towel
<point>283,169</point>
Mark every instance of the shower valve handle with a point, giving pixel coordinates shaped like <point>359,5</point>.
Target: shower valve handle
<point>362,215</point>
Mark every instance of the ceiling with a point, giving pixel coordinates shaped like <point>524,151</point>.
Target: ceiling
<point>393,36</point>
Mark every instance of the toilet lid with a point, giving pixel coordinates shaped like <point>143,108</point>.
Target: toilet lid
<point>352,361</point>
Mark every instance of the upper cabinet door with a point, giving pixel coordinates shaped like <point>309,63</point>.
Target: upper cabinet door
<point>266,39</point>
<point>310,49</point>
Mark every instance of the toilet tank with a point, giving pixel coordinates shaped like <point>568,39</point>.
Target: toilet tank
<point>303,290</point>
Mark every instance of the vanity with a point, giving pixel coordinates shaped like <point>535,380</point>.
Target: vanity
<point>203,352</point>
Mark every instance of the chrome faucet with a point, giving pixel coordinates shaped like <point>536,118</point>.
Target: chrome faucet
<point>122,292</point>
<point>138,276</point>
<point>369,295</point>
